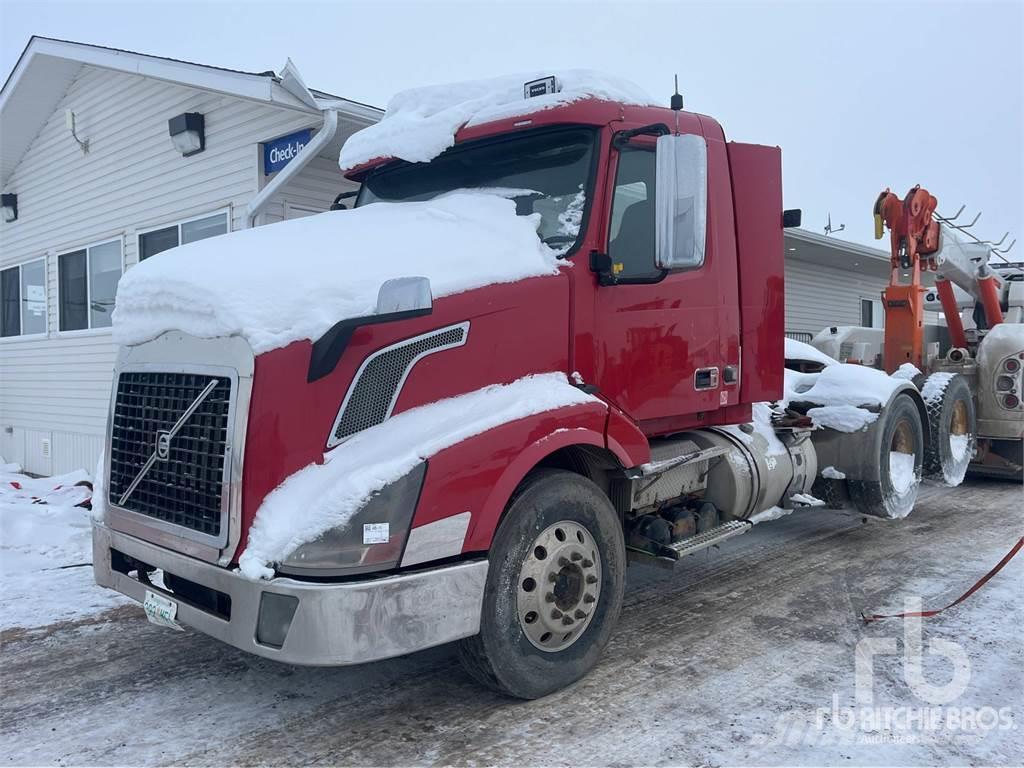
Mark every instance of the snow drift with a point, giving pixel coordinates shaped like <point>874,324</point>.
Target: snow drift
<point>294,280</point>
<point>419,124</point>
<point>321,497</point>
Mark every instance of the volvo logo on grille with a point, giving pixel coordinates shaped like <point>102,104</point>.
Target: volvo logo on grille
<point>163,440</point>
<point>163,445</point>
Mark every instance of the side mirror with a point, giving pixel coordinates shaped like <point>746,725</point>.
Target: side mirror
<point>680,201</point>
<point>404,294</point>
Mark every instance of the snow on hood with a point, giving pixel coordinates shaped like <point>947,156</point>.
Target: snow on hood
<point>325,496</point>
<point>289,281</point>
<point>419,124</point>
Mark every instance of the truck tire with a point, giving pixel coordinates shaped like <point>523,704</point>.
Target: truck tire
<point>952,427</point>
<point>887,488</point>
<point>554,588</point>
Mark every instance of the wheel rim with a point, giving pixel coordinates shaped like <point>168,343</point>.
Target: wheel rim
<point>958,422</point>
<point>559,586</point>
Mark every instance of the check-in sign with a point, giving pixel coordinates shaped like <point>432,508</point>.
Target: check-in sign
<point>279,152</point>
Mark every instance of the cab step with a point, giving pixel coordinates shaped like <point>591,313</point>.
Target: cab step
<point>673,553</point>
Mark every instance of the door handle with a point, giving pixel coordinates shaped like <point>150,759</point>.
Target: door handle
<point>705,378</point>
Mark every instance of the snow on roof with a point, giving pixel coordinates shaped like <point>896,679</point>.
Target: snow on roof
<point>325,496</point>
<point>294,280</point>
<point>420,123</point>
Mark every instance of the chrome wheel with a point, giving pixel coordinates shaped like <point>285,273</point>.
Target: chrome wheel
<point>559,586</point>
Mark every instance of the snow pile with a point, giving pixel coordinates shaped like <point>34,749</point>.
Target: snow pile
<point>419,124</point>
<point>831,473</point>
<point>321,497</point>
<point>772,513</point>
<point>935,386</point>
<point>907,372</point>
<point>841,384</point>
<point>842,418</point>
<point>294,280</point>
<point>70,490</point>
<point>46,550</point>
<point>798,350</point>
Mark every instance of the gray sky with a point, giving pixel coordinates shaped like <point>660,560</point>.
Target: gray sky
<point>858,95</point>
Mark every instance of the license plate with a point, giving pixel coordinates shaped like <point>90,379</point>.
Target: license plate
<point>160,610</point>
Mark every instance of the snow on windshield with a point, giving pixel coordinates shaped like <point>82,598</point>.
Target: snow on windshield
<point>294,280</point>
<point>546,172</point>
<point>419,124</point>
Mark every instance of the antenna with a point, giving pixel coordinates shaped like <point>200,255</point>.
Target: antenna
<point>829,229</point>
<point>676,102</point>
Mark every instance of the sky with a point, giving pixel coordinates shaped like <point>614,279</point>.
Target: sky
<point>859,95</point>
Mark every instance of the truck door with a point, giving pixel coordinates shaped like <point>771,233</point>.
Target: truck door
<point>666,342</point>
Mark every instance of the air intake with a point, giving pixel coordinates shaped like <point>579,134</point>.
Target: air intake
<point>372,396</point>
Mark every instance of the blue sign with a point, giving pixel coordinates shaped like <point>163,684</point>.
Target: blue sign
<point>279,152</point>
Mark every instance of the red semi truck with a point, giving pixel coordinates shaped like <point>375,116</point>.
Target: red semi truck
<point>664,313</point>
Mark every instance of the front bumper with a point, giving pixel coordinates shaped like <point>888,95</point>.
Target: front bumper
<point>334,624</point>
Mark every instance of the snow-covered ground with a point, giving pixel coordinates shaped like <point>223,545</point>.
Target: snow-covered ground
<point>46,550</point>
<point>729,661</point>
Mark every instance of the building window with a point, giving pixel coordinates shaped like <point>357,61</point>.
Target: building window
<point>871,315</point>
<point>23,299</point>
<point>86,286</point>
<point>157,240</point>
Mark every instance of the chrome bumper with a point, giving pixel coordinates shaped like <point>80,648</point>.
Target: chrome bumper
<point>334,624</point>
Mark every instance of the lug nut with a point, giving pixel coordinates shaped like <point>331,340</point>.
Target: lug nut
<point>556,614</point>
<point>576,556</point>
<point>562,562</point>
<point>580,614</point>
<point>588,563</point>
<point>588,598</point>
<point>549,597</point>
<point>567,620</point>
<point>591,579</point>
<point>552,577</point>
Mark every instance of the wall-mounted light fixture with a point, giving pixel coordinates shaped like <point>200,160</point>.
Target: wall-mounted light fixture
<point>9,202</point>
<point>187,133</point>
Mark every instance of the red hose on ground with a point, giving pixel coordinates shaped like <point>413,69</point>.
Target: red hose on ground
<point>978,585</point>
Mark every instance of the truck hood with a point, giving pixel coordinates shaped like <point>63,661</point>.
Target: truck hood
<point>294,280</point>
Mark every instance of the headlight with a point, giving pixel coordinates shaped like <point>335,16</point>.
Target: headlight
<point>372,540</point>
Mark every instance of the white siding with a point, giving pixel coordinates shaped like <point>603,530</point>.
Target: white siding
<point>817,296</point>
<point>313,188</point>
<point>132,178</point>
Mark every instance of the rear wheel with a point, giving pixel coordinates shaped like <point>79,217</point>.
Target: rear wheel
<point>554,588</point>
<point>952,428</point>
<point>889,486</point>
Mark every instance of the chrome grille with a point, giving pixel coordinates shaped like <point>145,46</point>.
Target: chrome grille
<point>185,488</point>
<point>372,396</point>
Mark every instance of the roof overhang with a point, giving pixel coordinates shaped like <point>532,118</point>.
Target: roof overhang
<point>802,245</point>
<point>47,67</point>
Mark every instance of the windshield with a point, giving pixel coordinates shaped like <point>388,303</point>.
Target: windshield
<point>546,173</point>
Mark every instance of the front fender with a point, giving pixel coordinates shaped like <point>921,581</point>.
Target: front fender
<point>480,474</point>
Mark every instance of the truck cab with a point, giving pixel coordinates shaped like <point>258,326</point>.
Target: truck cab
<point>471,456</point>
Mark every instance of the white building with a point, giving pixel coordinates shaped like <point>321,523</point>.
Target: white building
<point>85,146</point>
<point>86,149</point>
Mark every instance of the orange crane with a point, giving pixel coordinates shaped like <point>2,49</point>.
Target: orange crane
<point>915,245</point>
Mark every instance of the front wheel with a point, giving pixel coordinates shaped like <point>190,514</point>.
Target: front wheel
<point>554,589</point>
